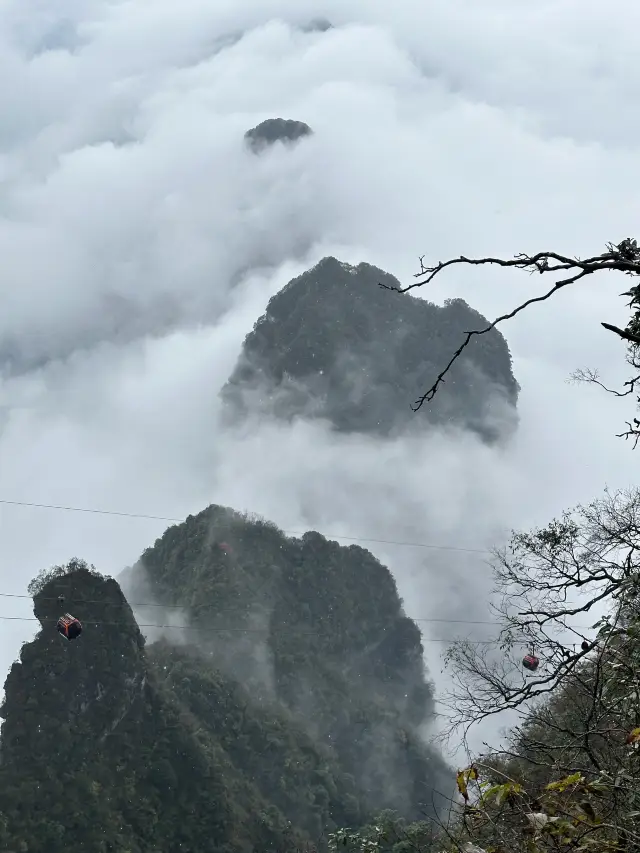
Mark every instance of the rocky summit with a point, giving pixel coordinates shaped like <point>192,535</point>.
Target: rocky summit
<point>335,345</point>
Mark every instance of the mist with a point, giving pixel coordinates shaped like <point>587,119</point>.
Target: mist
<point>141,241</point>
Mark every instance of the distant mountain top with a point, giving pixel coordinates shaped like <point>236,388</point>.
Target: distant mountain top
<point>276,130</point>
<point>334,345</point>
<point>321,25</point>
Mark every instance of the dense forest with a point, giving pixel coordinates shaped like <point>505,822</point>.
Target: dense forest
<point>334,344</point>
<point>291,713</point>
<point>297,703</point>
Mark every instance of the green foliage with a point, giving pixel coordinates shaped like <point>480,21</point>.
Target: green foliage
<point>569,779</point>
<point>317,628</point>
<point>575,812</point>
<point>334,344</point>
<point>45,575</point>
<point>99,754</point>
<point>388,833</point>
<point>298,776</point>
<point>295,710</point>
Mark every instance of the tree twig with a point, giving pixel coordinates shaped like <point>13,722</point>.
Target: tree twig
<point>623,257</point>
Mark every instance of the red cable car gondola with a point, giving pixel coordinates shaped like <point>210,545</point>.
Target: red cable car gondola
<point>69,626</point>
<point>530,662</point>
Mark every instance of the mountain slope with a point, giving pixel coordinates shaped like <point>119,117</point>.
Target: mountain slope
<point>312,626</point>
<point>333,344</point>
<point>292,706</point>
<point>97,755</point>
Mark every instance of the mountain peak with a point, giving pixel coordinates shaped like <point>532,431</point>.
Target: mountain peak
<point>334,344</point>
<point>274,130</point>
<point>98,754</point>
<point>104,666</point>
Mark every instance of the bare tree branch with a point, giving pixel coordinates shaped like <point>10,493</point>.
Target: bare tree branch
<point>627,336</point>
<point>587,374</point>
<point>623,257</point>
<point>545,580</point>
<point>633,432</point>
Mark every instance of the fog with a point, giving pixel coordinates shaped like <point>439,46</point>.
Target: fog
<point>141,241</point>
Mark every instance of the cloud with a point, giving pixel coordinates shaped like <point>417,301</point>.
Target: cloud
<point>140,241</point>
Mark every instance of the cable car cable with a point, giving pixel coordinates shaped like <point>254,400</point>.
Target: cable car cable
<point>247,630</point>
<point>134,604</point>
<point>288,532</point>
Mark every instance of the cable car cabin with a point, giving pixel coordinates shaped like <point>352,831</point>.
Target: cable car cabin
<point>69,626</point>
<point>530,662</point>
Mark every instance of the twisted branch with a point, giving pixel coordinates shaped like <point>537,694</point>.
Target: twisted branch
<point>624,257</point>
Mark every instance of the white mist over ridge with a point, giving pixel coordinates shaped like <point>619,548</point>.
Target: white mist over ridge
<point>141,241</point>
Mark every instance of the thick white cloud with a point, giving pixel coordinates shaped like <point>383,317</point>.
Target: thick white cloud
<point>140,241</point>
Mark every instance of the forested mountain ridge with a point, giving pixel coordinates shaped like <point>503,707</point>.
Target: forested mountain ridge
<point>292,707</point>
<point>316,627</point>
<point>98,755</point>
<point>333,344</point>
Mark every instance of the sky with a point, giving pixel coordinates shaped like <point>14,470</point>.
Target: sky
<point>141,241</point>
